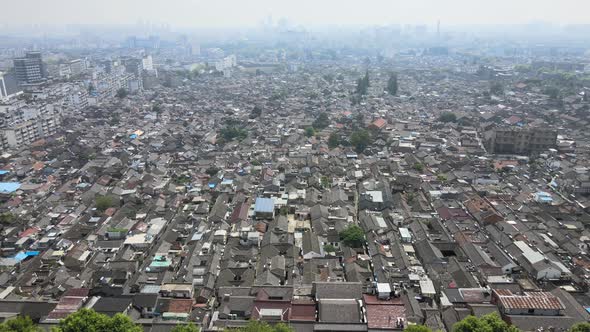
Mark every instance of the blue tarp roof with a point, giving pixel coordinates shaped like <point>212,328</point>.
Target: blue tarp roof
<point>20,256</point>
<point>9,187</point>
<point>264,205</point>
<point>2,172</point>
<point>133,136</point>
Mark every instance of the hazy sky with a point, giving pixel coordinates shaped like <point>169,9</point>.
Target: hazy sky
<point>233,13</point>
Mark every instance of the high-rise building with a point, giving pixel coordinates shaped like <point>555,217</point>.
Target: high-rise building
<point>148,63</point>
<point>30,69</point>
<point>8,85</point>
<point>3,89</point>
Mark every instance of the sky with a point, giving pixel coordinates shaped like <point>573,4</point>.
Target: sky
<point>236,13</point>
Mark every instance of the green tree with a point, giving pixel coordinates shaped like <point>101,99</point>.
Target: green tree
<point>333,140</point>
<point>353,236</point>
<point>256,112</point>
<point>88,320</point>
<point>417,328</point>
<point>211,171</point>
<point>309,131</point>
<point>284,210</point>
<point>419,167</point>
<point>329,248</point>
<point>447,117</point>
<point>580,327</point>
<point>104,202</point>
<point>360,139</point>
<point>488,323</point>
<point>185,328</point>
<point>258,326</point>
<point>552,92</point>
<point>362,84</point>
<point>7,218</point>
<point>496,89</point>
<point>392,84</point>
<point>121,93</point>
<point>325,181</point>
<point>230,133</point>
<point>322,121</point>
<point>19,324</point>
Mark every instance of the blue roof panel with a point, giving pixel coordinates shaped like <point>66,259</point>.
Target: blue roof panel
<point>9,187</point>
<point>264,205</point>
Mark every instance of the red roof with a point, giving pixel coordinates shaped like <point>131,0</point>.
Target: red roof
<point>534,300</point>
<point>28,232</point>
<point>303,310</point>
<point>384,314</point>
<point>240,212</point>
<point>379,123</point>
<point>446,213</point>
<point>80,292</point>
<point>513,120</point>
<point>180,305</point>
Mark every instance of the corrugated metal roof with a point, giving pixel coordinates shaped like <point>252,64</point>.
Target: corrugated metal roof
<point>536,300</point>
<point>9,187</point>
<point>264,205</point>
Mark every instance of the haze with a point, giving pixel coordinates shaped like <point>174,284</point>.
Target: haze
<point>198,13</point>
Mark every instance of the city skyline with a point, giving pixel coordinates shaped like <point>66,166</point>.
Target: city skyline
<point>231,14</point>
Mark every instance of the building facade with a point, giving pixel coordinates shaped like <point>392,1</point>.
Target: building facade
<point>24,125</point>
<point>30,69</point>
<point>521,141</point>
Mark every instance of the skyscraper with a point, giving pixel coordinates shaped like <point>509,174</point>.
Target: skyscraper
<point>30,69</point>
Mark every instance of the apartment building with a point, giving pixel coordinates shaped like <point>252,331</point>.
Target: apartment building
<point>520,140</point>
<point>24,124</point>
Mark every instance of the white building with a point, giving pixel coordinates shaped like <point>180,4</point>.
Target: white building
<point>148,63</point>
<point>25,124</point>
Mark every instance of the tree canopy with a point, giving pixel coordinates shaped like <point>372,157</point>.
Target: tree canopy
<point>580,327</point>
<point>230,133</point>
<point>258,326</point>
<point>256,112</point>
<point>392,84</point>
<point>211,171</point>
<point>497,89</point>
<point>88,320</point>
<point>309,131</point>
<point>185,328</point>
<point>491,322</point>
<point>360,139</point>
<point>417,328</point>
<point>447,117</point>
<point>333,140</point>
<point>353,236</point>
<point>419,167</point>
<point>19,324</point>
<point>105,202</point>
<point>362,84</point>
<point>7,218</point>
<point>121,93</point>
<point>322,121</point>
